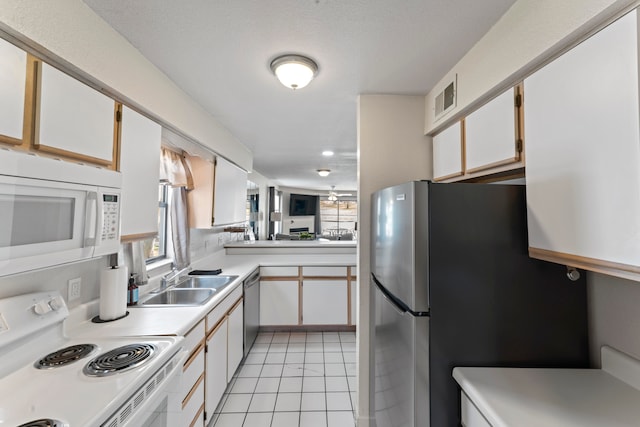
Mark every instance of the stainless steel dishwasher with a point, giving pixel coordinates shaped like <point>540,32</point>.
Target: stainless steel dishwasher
<point>251,288</point>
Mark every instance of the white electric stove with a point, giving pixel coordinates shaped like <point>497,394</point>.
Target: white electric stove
<point>48,379</point>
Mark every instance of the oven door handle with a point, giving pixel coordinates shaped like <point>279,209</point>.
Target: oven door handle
<point>169,389</point>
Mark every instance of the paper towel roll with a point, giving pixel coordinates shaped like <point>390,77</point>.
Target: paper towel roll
<point>113,292</point>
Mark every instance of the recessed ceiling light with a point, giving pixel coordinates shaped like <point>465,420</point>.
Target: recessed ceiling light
<point>327,153</point>
<point>323,172</point>
<point>294,71</point>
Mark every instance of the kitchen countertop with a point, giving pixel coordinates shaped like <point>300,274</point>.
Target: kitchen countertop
<point>179,320</point>
<point>526,397</point>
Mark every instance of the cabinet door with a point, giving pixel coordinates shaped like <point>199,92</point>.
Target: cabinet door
<point>230,196</point>
<point>235,340</point>
<point>278,302</point>
<point>13,76</point>
<point>447,153</point>
<point>324,302</point>
<point>200,199</point>
<point>140,166</point>
<point>216,371</point>
<point>583,153</point>
<point>491,134</point>
<point>75,120</point>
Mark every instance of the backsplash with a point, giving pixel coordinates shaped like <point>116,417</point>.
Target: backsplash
<point>203,243</point>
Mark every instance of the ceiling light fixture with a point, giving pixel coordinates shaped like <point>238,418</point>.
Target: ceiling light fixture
<point>294,71</point>
<point>323,172</point>
<point>327,153</point>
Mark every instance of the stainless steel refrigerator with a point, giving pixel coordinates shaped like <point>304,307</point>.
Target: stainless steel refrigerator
<point>454,286</point>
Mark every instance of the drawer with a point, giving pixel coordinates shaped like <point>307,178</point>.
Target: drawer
<point>279,271</point>
<point>221,309</point>
<point>194,337</point>
<point>324,271</point>
<point>193,369</point>
<point>193,404</point>
<point>471,416</point>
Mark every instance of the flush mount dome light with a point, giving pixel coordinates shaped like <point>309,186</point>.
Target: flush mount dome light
<point>323,172</point>
<point>294,71</point>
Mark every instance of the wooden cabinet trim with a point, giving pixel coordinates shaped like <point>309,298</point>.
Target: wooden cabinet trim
<point>193,355</point>
<point>235,305</point>
<point>493,165</point>
<point>198,414</point>
<point>117,135</point>
<point>216,327</point>
<point>279,278</point>
<point>626,271</point>
<point>136,237</point>
<point>185,401</point>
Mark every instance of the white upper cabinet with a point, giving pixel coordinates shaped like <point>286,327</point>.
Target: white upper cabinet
<point>491,134</point>
<point>75,120</point>
<point>140,166</point>
<point>230,193</point>
<point>13,76</point>
<point>447,153</point>
<point>583,154</point>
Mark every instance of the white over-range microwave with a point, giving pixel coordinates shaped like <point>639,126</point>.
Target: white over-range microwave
<point>54,212</point>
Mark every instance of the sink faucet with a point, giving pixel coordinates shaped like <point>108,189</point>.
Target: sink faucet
<point>171,276</point>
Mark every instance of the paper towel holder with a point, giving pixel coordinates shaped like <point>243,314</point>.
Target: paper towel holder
<point>97,319</point>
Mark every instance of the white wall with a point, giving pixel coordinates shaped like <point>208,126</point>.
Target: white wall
<point>392,149</point>
<point>526,36</point>
<point>69,34</point>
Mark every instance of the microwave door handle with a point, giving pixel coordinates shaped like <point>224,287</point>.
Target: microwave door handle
<point>90,220</point>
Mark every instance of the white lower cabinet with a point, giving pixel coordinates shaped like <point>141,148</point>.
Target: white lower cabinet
<point>324,302</point>
<point>223,348</point>
<point>235,340</point>
<point>193,373</point>
<point>216,381</point>
<point>278,302</point>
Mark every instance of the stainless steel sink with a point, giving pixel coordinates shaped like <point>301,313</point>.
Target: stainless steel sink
<point>205,282</point>
<point>180,297</point>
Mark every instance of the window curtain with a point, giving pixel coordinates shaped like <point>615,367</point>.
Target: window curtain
<point>180,227</point>
<point>175,171</point>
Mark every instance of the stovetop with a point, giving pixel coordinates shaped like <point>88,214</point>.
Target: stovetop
<point>65,393</point>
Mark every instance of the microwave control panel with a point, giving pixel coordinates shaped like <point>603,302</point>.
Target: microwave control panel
<point>111,215</point>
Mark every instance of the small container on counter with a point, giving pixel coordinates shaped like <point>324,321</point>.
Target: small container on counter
<point>132,291</point>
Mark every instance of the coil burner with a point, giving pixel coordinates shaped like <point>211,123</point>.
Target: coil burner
<point>64,357</point>
<point>45,422</point>
<point>119,360</point>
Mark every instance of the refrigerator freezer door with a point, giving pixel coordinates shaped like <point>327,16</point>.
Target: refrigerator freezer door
<point>401,366</point>
<point>399,236</point>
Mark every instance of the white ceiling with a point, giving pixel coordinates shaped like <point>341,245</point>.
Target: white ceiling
<point>218,51</point>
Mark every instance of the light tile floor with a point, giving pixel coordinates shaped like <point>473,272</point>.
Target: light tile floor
<point>293,379</point>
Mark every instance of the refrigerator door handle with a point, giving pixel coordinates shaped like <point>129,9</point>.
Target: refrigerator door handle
<point>397,304</point>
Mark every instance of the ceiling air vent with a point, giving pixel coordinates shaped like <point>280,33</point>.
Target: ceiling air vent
<point>446,100</point>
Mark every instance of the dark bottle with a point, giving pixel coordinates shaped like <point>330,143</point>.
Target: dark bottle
<point>132,291</point>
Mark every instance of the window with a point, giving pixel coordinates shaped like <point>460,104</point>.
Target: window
<point>156,248</point>
<point>338,217</point>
